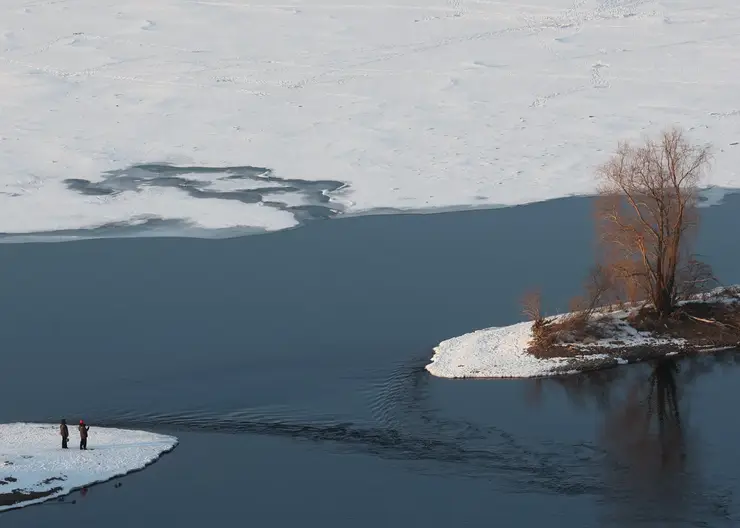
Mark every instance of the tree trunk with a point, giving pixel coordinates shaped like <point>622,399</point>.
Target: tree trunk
<point>663,302</point>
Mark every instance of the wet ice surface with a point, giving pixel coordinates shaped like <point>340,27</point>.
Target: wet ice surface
<point>33,463</point>
<point>156,200</point>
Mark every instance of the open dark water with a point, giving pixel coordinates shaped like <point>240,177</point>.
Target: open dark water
<point>290,365</point>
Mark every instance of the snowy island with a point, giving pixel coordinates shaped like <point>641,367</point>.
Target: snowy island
<point>705,323</point>
<point>647,296</point>
<point>34,468</point>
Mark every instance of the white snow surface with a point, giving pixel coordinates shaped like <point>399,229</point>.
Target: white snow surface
<point>414,104</point>
<point>32,453</point>
<point>491,353</point>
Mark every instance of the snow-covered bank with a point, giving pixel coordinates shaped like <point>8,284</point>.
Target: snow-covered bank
<point>452,104</point>
<point>34,468</point>
<point>491,353</point>
<point>504,352</point>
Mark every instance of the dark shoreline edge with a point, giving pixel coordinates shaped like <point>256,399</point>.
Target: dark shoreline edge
<point>634,355</point>
<point>155,227</point>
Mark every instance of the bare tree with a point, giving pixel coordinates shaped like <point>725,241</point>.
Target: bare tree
<point>582,307</point>
<point>598,288</point>
<point>646,216</point>
<point>695,277</point>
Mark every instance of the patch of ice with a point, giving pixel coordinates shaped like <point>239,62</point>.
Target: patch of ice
<point>713,196</point>
<point>718,349</point>
<point>32,460</point>
<point>447,107</point>
<point>70,210</point>
<point>224,185</point>
<point>287,199</point>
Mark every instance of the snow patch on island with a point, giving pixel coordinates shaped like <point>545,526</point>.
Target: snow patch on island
<point>34,468</point>
<point>491,353</point>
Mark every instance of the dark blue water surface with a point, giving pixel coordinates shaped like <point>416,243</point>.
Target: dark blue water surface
<point>290,366</point>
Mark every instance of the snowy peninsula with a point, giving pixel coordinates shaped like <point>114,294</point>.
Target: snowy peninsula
<point>508,352</point>
<point>34,468</point>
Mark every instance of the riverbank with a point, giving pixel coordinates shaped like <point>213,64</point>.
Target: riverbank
<point>613,338</point>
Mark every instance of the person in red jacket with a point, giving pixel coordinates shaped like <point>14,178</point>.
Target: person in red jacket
<point>83,434</point>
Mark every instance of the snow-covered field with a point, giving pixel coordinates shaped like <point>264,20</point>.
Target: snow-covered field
<point>413,104</point>
<point>32,460</point>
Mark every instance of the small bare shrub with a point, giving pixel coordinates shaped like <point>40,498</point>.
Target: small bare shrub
<point>532,306</point>
<point>576,325</point>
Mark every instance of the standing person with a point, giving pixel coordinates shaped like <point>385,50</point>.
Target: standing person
<point>83,434</point>
<point>64,431</point>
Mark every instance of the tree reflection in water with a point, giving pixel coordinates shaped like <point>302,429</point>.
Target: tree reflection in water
<point>649,464</point>
<point>645,430</point>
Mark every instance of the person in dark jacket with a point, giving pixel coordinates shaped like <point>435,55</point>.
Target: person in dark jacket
<point>64,431</point>
<point>83,434</point>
